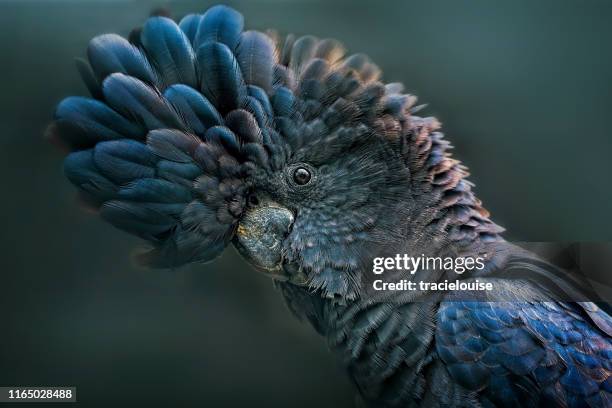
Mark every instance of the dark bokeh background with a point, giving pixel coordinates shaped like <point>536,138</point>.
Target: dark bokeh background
<point>523,89</point>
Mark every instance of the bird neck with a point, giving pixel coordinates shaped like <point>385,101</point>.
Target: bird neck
<point>374,339</point>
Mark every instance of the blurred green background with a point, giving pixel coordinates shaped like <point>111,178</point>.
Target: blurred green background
<point>523,89</point>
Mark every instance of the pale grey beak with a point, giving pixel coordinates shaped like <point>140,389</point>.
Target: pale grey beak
<point>260,235</point>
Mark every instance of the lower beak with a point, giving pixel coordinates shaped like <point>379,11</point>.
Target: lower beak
<point>260,235</point>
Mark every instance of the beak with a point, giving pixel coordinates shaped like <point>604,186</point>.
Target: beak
<point>260,235</point>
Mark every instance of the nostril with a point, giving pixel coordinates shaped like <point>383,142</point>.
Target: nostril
<point>253,200</point>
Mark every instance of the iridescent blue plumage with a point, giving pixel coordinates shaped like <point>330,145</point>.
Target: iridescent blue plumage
<point>525,353</point>
<point>111,53</point>
<point>169,51</point>
<point>197,111</point>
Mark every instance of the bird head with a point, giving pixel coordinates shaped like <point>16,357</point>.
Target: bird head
<point>200,135</point>
<point>318,215</point>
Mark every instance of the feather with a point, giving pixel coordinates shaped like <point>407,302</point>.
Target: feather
<point>146,221</point>
<point>393,88</point>
<point>207,155</point>
<point>122,161</point>
<point>316,69</point>
<point>396,104</point>
<point>110,53</point>
<point>225,137</point>
<point>329,50</point>
<point>196,111</point>
<point>220,24</point>
<point>228,168</point>
<point>259,94</point>
<point>361,64</point>
<point>302,52</point>
<point>252,105</point>
<point>169,51</point>
<point>220,76</point>
<point>256,153</point>
<point>311,81</point>
<point>154,191</point>
<point>244,125</point>
<point>80,169</point>
<point>138,101</point>
<point>255,55</point>
<point>283,76</point>
<point>285,51</point>
<point>180,173</point>
<point>82,122</point>
<point>171,144</point>
<point>185,247</point>
<point>189,25</point>
<point>198,238</point>
<point>283,102</point>
<point>208,188</point>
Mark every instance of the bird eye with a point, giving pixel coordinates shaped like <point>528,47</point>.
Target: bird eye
<point>301,176</point>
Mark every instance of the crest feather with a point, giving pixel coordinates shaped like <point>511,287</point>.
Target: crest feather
<point>181,117</point>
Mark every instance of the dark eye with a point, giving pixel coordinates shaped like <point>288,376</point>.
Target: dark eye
<point>301,176</point>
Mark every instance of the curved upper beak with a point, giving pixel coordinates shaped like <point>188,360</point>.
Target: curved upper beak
<point>260,235</point>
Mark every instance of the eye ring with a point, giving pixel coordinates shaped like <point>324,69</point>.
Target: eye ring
<point>301,176</point>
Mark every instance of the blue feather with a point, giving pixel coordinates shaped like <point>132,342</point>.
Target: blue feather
<point>207,155</point>
<point>124,160</point>
<point>81,170</point>
<point>523,364</point>
<point>169,50</point>
<point>225,137</point>
<point>220,24</point>
<point>255,55</point>
<point>244,125</point>
<point>185,246</point>
<point>302,52</point>
<point>139,219</point>
<point>180,173</point>
<point>154,191</point>
<point>256,153</point>
<point>197,112</point>
<point>220,76</point>
<point>83,122</point>
<point>283,102</point>
<point>283,76</point>
<point>189,25</point>
<point>171,144</point>
<point>252,105</point>
<point>134,99</point>
<point>203,237</point>
<point>110,53</point>
<point>578,383</point>
<point>259,94</point>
